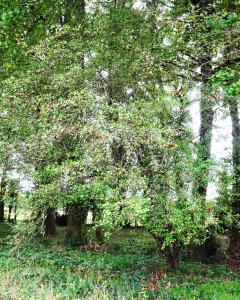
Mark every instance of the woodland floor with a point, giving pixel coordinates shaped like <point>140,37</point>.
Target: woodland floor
<point>129,269</point>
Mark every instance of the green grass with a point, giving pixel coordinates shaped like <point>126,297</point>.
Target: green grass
<point>46,269</point>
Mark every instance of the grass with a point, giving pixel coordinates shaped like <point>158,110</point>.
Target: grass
<point>46,269</point>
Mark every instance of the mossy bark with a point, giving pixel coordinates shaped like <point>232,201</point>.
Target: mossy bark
<point>49,223</point>
<point>235,232</point>
<point>76,225</point>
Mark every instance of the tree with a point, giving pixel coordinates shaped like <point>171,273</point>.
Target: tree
<point>2,192</point>
<point>98,112</point>
<point>226,77</point>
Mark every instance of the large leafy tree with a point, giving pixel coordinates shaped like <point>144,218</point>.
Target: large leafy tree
<point>95,103</point>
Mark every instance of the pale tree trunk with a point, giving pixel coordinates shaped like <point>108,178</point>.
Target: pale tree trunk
<point>206,104</point>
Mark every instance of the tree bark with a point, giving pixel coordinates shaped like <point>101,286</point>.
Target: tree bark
<point>76,224</point>
<point>173,257</point>
<point>206,104</point>
<point>98,229</point>
<point>206,116</point>
<point>2,192</point>
<point>234,232</point>
<point>204,146</point>
<point>49,222</point>
<point>100,235</point>
<point>10,207</point>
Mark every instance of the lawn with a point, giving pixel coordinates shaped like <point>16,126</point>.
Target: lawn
<point>129,269</point>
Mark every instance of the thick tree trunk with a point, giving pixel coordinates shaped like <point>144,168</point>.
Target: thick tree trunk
<point>76,224</point>
<point>235,232</point>
<point>49,222</point>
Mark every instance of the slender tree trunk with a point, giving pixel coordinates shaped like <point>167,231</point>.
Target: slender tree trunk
<point>10,207</point>
<point>235,232</point>
<point>1,211</point>
<point>2,192</point>
<point>15,212</point>
<point>100,235</point>
<point>49,222</point>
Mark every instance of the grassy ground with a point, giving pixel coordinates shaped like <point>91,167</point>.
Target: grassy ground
<point>46,269</point>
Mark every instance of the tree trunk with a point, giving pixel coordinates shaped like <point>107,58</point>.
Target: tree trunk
<point>49,223</point>
<point>206,104</point>
<point>10,207</point>
<point>1,211</point>
<point>204,153</point>
<point>235,233</point>
<point>76,213</point>
<point>172,255</point>
<point>76,224</point>
<point>98,229</point>
<point>100,235</point>
<point>15,212</point>
<point>206,115</point>
<point>2,192</point>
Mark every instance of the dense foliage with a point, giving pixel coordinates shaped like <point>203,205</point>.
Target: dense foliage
<point>95,115</point>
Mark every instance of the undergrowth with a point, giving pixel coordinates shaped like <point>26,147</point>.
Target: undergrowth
<point>129,269</point>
